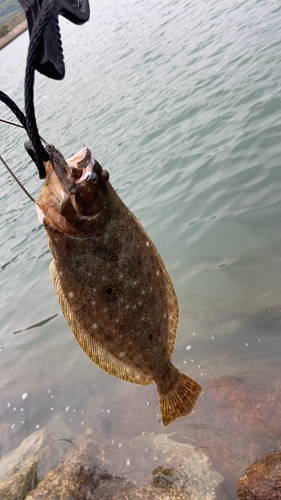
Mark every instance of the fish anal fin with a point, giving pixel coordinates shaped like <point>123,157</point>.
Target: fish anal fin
<point>180,401</point>
<point>113,366</point>
<point>96,353</point>
<point>173,313</point>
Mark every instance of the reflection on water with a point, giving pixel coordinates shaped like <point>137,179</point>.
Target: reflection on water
<point>41,323</point>
<point>180,102</point>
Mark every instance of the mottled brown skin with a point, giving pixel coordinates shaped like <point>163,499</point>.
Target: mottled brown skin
<point>111,282</point>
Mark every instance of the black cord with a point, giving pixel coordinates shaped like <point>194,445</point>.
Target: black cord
<point>13,107</point>
<point>35,147</point>
<point>31,125</point>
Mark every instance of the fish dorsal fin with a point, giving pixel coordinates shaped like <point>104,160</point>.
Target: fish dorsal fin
<point>172,301</point>
<point>97,354</point>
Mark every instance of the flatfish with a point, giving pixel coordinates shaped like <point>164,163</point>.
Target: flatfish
<point>111,283</point>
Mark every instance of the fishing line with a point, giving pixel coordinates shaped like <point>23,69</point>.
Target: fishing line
<point>11,123</point>
<point>16,179</point>
<point>20,126</point>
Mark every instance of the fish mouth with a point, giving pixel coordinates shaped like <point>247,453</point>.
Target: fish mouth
<point>72,190</point>
<point>74,170</point>
<point>80,166</point>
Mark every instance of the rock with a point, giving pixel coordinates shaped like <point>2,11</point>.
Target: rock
<point>147,467</point>
<point>262,480</point>
<point>236,422</point>
<point>22,468</point>
<point>137,459</point>
<point>18,469</point>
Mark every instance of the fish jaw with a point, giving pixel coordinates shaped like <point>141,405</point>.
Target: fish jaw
<point>74,193</point>
<point>49,200</point>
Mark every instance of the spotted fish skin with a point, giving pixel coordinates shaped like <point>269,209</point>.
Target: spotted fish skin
<point>111,282</point>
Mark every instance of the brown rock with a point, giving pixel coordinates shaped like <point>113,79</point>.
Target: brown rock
<point>262,480</point>
<point>75,476</point>
<point>236,422</point>
<point>148,467</point>
<point>18,469</point>
<point>96,485</point>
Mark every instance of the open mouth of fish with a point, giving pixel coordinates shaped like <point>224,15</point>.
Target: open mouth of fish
<point>67,198</point>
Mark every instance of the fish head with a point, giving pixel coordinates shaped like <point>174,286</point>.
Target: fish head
<point>75,197</point>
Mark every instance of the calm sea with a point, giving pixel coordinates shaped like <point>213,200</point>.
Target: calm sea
<point>180,101</point>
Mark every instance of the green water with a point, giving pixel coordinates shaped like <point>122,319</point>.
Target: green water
<point>180,102</point>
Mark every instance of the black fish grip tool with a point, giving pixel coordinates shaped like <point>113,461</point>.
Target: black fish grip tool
<point>49,60</point>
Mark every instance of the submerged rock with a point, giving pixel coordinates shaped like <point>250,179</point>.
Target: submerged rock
<point>140,460</point>
<point>147,467</point>
<point>19,468</point>
<point>262,480</point>
<point>237,422</point>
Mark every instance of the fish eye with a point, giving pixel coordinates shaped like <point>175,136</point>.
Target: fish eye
<point>94,178</point>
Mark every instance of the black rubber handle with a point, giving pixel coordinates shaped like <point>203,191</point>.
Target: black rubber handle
<point>50,60</point>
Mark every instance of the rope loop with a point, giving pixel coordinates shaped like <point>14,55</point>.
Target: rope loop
<point>34,147</point>
<point>39,152</point>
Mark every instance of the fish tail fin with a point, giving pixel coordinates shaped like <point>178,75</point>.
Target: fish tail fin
<point>180,401</point>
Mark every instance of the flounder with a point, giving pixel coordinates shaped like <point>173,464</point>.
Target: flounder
<point>111,282</point>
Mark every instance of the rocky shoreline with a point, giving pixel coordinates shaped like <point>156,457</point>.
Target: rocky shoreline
<point>13,34</point>
<point>147,467</point>
<point>207,456</point>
